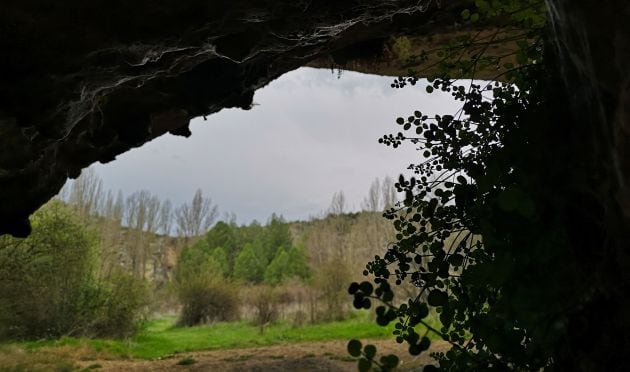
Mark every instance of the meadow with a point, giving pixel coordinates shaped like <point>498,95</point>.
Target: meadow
<point>160,338</point>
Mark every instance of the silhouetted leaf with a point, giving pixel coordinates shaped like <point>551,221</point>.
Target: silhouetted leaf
<point>354,348</point>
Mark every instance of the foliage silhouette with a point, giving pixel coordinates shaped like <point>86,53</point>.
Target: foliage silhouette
<point>487,229</point>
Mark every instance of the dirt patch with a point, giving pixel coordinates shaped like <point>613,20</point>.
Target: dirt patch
<point>307,356</point>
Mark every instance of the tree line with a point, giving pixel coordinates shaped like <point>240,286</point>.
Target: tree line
<point>98,263</point>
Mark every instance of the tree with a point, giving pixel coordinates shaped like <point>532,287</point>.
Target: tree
<point>118,209</point>
<point>372,202</point>
<point>390,195</point>
<point>251,263</point>
<point>277,269</point>
<point>166,218</point>
<point>193,261</point>
<point>195,218</point>
<point>488,229</point>
<point>220,256</point>
<point>287,264</point>
<point>297,265</point>
<point>338,203</point>
<point>251,232</point>
<point>226,236</point>
<point>276,234</point>
<point>86,192</point>
<point>136,218</point>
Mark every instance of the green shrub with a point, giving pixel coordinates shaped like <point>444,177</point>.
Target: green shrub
<point>331,281</point>
<point>205,295</point>
<point>122,308</point>
<point>48,283</point>
<point>42,277</point>
<point>206,301</point>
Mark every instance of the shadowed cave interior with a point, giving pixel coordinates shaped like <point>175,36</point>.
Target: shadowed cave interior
<point>83,82</point>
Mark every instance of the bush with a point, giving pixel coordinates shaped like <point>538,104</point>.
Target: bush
<point>42,277</point>
<point>265,301</point>
<point>122,307</point>
<point>48,283</point>
<point>331,281</point>
<point>207,301</point>
<point>205,295</point>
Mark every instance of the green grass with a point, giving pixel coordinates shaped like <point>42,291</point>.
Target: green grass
<point>161,338</point>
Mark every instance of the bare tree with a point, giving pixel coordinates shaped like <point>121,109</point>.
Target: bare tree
<point>119,207</point>
<point>130,212</point>
<point>109,232</point>
<point>338,204</point>
<point>140,215</point>
<point>166,217</point>
<point>372,202</point>
<point>107,209</point>
<point>195,218</point>
<point>86,192</point>
<point>152,224</point>
<point>389,193</point>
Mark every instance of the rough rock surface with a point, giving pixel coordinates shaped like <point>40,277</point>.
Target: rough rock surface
<point>85,81</point>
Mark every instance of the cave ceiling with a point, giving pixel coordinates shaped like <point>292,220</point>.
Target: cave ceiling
<point>84,81</point>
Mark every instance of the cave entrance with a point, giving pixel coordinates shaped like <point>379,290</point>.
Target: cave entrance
<point>310,133</point>
<point>305,161</point>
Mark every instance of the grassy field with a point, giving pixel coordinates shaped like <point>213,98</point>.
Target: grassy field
<point>161,338</point>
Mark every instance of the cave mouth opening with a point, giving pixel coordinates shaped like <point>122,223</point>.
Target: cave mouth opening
<point>310,134</point>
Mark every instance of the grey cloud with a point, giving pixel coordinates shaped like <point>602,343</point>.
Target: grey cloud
<point>310,136</point>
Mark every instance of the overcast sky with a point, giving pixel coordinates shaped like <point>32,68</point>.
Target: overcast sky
<point>310,135</point>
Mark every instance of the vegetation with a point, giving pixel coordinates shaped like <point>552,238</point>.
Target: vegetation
<point>265,301</point>
<point>96,265</point>
<point>457,235</point>
<point>203,292</point>
<point>49,286</point>
<point>162,337</point>
<point>489,229</point>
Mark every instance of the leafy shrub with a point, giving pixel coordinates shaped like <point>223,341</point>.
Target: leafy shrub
<point>122,308</point>
<point>202,290</point>
<point>265,301</point>
<point>42,277</point>
<point>48,283</point>
<point>206,301</point>
<point>331,281</point>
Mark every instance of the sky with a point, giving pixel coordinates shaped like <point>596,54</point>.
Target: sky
<point>309,135</point>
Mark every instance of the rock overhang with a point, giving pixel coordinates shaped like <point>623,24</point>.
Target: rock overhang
<point>85,81</point>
